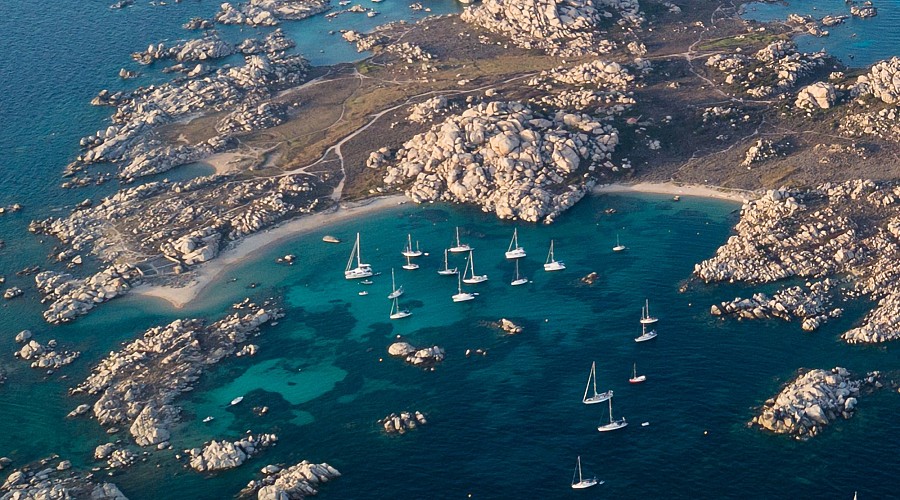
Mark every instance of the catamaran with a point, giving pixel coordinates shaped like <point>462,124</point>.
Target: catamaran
<point>645,335</point>
<point>552,264</point>
<point>460,247</point>
<point>582,482</point>
<point>646,319</point>
<point>396,312</point>
<point>613,424</point>
<point>446,271</point>
<point>635,378</point>
<point>410,265</point>
<point>395,292</point>
<point>598,397</point>
<point>470,269</point>
<point>408,251</point>
<point>515,251</point>
<point>462,296</point>
<point>361,270</point>
<point>519,280</point>
<point>619,247</point>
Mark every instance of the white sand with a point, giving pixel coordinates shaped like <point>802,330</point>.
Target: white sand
<point>678,189</point>
<point>211,271</point>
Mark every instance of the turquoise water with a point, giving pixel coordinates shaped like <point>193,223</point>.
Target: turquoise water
<point>857,42</point>
<point>504,425</point>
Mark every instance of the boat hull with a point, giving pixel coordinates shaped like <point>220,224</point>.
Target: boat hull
<point>554,266</point>
<point>598,398</point>
<point>637,380</point>
<point>393,295</point>
<point>645,337</point>
<point>475,279</point>
<point>518,253</point>
<point>416,253</point>
<point>448,272</point>
<point>410,267</point>
<point>358,273</point>
<point>460,249</point>
<point>463,297</point>
<point>587,483</point>
<point>401,315</point>
<point>613,426</point>
<point>518,282</point>
<point>649,321</point>
<point>618,248</point>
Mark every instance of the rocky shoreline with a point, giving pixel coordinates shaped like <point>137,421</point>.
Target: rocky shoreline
<point>290,483</point>
<point>43,479</point>
<point>813,401</point>
<point>223,455</point>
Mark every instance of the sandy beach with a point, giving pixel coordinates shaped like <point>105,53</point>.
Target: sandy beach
<point>210,272</point>
<point>677,189</point>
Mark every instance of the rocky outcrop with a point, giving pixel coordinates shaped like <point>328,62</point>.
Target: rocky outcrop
<point>820,95</point>
<point>399,423</point>
<point>13,292</point>
<point>760,151</point>
<point>883,124</point>
<point>269,12</point>
<point>137,385</point>
<point>70,297</point>
<point>52,479</point>
<point>807,304</point>
<point>425,357</point>
<point>222,455</point>
<point>851,229</point>
<point>291,483</point>
<point>812,401</point>
<point>509,327</point>
<point>770,72</point>
<point>866,9</point>
<point>568,28</point>
<point>506,157</point>
<point>200,49</point>
<point>882,81</point>
<point>248,117</point>
<point>46,357</point>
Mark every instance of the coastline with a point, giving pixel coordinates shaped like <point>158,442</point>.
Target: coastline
<point>672,188</point>
<point>210,272</point>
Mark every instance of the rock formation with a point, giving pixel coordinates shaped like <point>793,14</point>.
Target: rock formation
<point>138,384</point>
<point>44,480</point>
<point>221,455</point>
<point>291,483</point>
<point>426,357</point>
<point>269,12</point>
<point>819,95</point>
<point>399,423</point>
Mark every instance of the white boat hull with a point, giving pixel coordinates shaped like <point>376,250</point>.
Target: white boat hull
<point>463,297</point>
<point>554,266</point>
<point>237,400</point>
<point>358,273</point>
<point>518,253</point>
<point>410,267</point>
<point>638,379</point>
<point>612,426</point>
<point>586,483</point>
<point>618,248</point>
<point>448,272</point>
<point>649,321</point>
<point>401,315</point>
<point>475,279</point>
<point>460,249</point>
<point>598,398</point>
<point>647,336</point>
<point>396,293</point>
<point>520,281</point>
<point>416,253</point>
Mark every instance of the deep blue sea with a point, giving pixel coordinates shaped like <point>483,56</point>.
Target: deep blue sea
<point>857,42</point>
<point>505,425</point>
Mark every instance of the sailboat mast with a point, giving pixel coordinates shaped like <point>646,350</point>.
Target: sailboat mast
<point>648,307</point>
<point>393,283</point>
<point>353,253</point>
<point>358,252</point>
<point>409,242</point>
<point>610,411</point>
<point>588,384</point>
<point>580,479</point>
<point>457,236</point>
<point>594,373</point>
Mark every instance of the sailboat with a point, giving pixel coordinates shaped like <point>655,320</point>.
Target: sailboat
<point>408,251</point>
<point>446,271</point>
<point>460,247</point>
<point>462,296</point>
<point>410,265</point>
<point>361,270</point>
<point>582,482</point>
<point>645,335</point>
<point>619,247</point>
<point>515,251</point>
<point>395,292</point>
<point>396,312</point>
<point>598,397</point>
<point>635,378</point>
<point>613,424</point>
<point>552,264</point>
<point>519,280</point>
<point>646,319</point>
<point>470,266</point>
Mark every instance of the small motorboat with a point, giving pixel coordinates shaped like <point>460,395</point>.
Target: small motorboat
<point>362,293</point>
<point>207,420</point>
<point>237,400</point>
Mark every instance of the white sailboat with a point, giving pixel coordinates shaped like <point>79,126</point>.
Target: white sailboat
<point>410,265</point>
<point>552,264</point>
<point>462,296</point>
<point>646,319</point>
<point>446,271</point>
<point>583,483</point>
<point>395,292</point>
<point>515,251</point>
<point>635,378</point>
<point>396,312</point>
<point>460,247</point>
<point>619,247</point>
<point>598,397</point>
<point>519,280</point>
<point>408,251</point>
<point>645,335</point>
<point>361,270</point>
<point>613,424</point>
<point>470,270</point>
